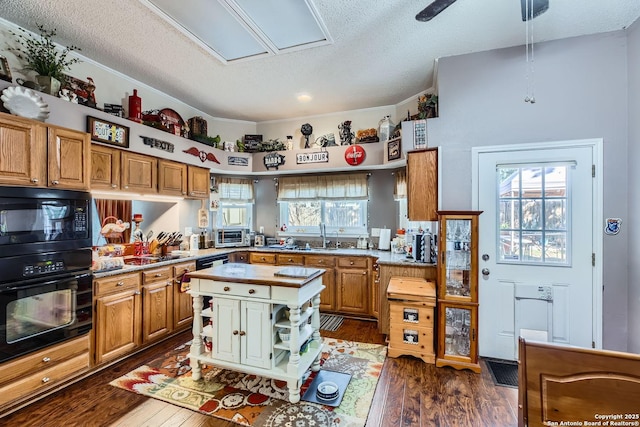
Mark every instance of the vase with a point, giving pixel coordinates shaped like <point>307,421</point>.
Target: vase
<point>50,85</point>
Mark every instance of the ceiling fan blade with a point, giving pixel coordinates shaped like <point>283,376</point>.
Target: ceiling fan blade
<point>431,11</point>
<point>536,7</point>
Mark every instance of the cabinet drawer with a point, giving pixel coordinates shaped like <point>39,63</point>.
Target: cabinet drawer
<point>411,313</point>
<point>156,275</point>
<point>352,261</point>
<point>262,258</point>
<point>43,379</point>
<point>116,283</point>
<point>319,261</point>
<point>234,289</point>
<point>290,259</point>
<point>179,269</point>
<point>411,339</point>
<point>43,359</point>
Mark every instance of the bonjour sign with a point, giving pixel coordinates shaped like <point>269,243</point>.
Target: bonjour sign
<point>317,157</point>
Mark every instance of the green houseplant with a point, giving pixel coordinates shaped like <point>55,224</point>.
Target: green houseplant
<point>40,54</point>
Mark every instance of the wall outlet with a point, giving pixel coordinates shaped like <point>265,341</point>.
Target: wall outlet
<point>188,231</point>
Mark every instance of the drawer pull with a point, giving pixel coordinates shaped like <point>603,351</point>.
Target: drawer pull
<point>113,186</point>
<point>290,260</point>
<point>252,291</point>
<point>120,284</point>
<point>350,262</point>
<point>321,261</point>
<point>158,275</point>
<point>55,182</point>
<point>364,273</point>
<point>263,259</point>
<point>34,180</point>
<point>169,283</point>
<point>136,293</point>
<point>46,380</point>
<point>227,289</point>
<point>235,332</point>
<point>46,359</point>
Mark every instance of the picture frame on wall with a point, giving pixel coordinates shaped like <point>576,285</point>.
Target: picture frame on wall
<point>5,71</point>
<point>394,149</point>
<point>108,132</point>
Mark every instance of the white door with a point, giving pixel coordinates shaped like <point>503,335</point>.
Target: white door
<point>537,244</point>
<point>255,338</point>
<point>226,321</point>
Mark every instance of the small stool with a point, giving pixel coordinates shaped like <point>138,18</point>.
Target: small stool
<point>412,303</point>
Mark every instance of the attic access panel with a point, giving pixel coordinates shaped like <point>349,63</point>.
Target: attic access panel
<point>237,29</point>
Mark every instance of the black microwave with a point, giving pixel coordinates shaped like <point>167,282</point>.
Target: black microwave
<point>36,220</point>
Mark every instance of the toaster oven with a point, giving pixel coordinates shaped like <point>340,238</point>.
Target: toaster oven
<point>231,237</point>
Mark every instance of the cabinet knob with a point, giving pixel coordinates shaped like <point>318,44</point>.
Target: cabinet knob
<point>227,289</point>
<point>364,273</point>
<point>126,186</point>
<point>55,182</point>
<point>136,293</point>
<point>350,262</point>
<point>169,283</point>
<point>120,284</point>
<point>113,186</point>
<point>158,275</point>
<point>235,332</point>
<point>46,380</point>
<point>252,291</point>
<point>34,180</point>
<point>242,333</point>
<point>321,261</point>
<point>46,359</point>
<point>263,259</point>
<point>290,260</point>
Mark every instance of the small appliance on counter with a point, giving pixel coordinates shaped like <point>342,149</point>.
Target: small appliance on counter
<point>231,237</point>
<point>422,247</point>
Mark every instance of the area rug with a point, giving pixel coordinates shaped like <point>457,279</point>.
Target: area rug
<point>255,401</point>
<point>330,322</point>
<point>503,372</point>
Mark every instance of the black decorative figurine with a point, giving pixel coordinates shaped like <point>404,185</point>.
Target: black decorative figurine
<point>346,136</point>
<point>306,130</point>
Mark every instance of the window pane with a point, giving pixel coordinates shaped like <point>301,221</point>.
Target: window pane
<point>233,216</point>
<point>556,214</point>
<point>531,247</point>
<point>531,182</point>
<point>301,214</point>
<point>532,214</point>
<point>555,248</point>
<point>555,182</point>
<point>509,247</point>
<point>343,214</point>
<point>509,214</point>
<point>506,184</point>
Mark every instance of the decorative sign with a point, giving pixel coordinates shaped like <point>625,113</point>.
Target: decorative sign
<point>238,161</point>
<point>107,132</point>
<point>317,157</point>
<point>156,143</point>
<point>114,109</point>
<point>613,226</point>
<point>201,154</point>
<point>394,149</point>
<point>354,155</point>
<point>273,160</point>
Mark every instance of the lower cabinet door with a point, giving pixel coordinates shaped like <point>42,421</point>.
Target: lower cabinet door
<point>226,321</point>
<point>157,310</point>
<point>255,338</point>
<point>117,327</point>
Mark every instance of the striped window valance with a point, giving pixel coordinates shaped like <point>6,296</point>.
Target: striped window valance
<point>327,187</point>
<point>400,189</point>
<point>235,190</point>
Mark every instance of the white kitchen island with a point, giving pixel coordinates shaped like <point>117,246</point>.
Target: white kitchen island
<point>249,305</point>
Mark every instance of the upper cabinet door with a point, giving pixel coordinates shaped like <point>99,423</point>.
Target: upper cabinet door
<point>69,158</point>
<point>24,150</point>
<point>105,167</point>
<point>422,185</point>
<point>172,178</point>
<point>139,173</point>
<point>199,182</point>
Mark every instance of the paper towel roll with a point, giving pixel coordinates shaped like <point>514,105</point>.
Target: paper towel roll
<point>384,244</point>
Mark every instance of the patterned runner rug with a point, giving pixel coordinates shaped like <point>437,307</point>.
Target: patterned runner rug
<point>255,401</point>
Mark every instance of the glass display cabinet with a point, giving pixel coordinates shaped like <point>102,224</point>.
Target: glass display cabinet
<point>458,290</point>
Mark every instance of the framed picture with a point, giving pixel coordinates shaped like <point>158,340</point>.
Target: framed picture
<point>5,71</point>
<point>394,149</point>
<point>108,132</point>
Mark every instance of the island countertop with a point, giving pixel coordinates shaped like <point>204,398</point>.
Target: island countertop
<point>260,274</point>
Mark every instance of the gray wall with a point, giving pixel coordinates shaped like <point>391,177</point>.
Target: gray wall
<point>633,57</point>
<point>581,92</point>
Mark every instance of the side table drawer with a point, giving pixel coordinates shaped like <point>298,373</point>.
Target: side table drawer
<point>411,313</point>
<point>262,258</point>
<point>232,289</point>
<point>110,284</point>
<point>411,339</point>
<point>156,275</point>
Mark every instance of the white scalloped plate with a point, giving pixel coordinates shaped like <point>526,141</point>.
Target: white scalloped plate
<point>25,102</point>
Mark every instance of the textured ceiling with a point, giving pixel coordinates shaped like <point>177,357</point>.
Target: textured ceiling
<point>380,56</point>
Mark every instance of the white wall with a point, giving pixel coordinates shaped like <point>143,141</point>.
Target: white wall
<point>633,155</point>
<point>581,92</point>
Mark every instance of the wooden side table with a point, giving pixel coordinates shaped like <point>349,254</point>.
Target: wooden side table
<point>412,303</point>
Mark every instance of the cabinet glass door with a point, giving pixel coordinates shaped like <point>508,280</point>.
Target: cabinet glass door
<point>457,332</point>
<point>458,258</point>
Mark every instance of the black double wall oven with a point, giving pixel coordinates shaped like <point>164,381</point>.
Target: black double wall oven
<point>45,268</point>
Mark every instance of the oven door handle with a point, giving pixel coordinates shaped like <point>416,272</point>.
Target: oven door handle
<point>23,285</point>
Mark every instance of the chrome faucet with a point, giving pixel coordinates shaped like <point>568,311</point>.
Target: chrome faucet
<point>337,242</point>
<point>323,235</point>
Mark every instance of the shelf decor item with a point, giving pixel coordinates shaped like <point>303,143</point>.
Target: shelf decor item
<point>25,102</point>
<point>5,71</point>
<point>108,132</point>
<point>135,107</point>
<point>40,54</point>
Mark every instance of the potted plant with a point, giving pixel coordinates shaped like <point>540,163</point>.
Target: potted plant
<point>40,54</point>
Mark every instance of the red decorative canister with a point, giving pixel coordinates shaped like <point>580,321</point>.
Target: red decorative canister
<point>135,107</point>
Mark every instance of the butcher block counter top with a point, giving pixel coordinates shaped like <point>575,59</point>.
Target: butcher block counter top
<point>260,274</point>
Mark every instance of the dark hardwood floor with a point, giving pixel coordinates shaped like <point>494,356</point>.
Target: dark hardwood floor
<point>409,393</point>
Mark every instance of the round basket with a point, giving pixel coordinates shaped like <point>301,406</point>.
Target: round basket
<point>110,234</point>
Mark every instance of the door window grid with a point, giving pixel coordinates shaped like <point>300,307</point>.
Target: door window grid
<point>533,220</point>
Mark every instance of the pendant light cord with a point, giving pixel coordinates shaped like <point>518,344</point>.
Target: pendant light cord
<point>529,54</point>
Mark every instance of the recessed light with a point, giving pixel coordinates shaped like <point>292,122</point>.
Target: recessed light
<point>304,97</point>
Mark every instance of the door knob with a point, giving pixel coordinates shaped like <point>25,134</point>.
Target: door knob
<point>485,272</point>
<point>485,257</point>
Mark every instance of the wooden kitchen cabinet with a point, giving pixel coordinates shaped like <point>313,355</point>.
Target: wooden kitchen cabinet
<point>262,258</point>
<point>118,316</point>
<point>353,277</point>
<point>37,155</point>
<point>422,185</point>
<point>157,303</point>
<point>240,257</point>
<point>43,370</point>
<point>387,271</point>
<point>172,178</point>
<point>182,301</point>
<point>458,290</point>
<point>328,295</point>
<point>198,182</point>
<point>289,259</point>
<point>139,173</point>
<point>105,167</point>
